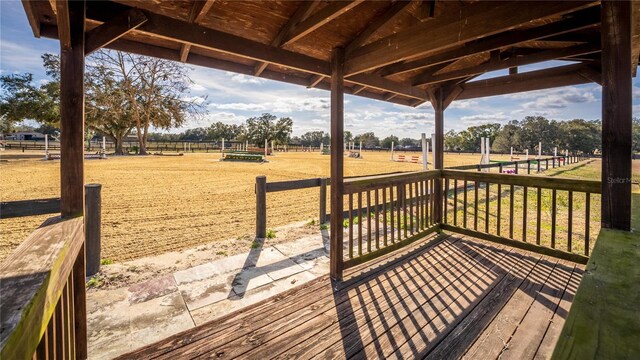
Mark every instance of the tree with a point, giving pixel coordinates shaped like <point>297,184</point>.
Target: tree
<point>409,142</point>
<point>315,138</point>
<point>21,99</point>
<point>507,138</point>
<point>268,127</point>
<point>369,140</point>
<point>580,135</point>
<point>386,142</point>
<point>348,136</point>
<point>155,90</point>
<point>220,130</point>
<point>635,135</point>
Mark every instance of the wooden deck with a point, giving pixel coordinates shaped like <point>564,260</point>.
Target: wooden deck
<point>455,297</point>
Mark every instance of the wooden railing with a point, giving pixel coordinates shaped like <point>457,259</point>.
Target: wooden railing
<point>527,166</point>
<point>544,214</point>
<point>387,212</point>
<point>42,288</point>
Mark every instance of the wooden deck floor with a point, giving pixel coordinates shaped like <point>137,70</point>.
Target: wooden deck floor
<point>455,298</point>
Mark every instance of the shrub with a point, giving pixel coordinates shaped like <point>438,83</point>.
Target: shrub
<point>271,234</point>
<point>324,227</point>
<point>106,262</point>
<point>243,157</point>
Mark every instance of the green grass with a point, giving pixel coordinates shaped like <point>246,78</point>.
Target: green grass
<point>271,234</point>
<point>106,262</point>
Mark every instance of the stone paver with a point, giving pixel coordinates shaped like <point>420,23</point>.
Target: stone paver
<point>123,319</point>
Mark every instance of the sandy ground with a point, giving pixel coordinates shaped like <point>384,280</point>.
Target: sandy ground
<point>153,205</point>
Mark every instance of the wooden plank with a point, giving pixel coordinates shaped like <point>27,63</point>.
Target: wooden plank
<point>350,242</point>
<point>364,183</point>
<point>10,209</point>
<point>112,30</point>
<point>538,213</point>
<point>378,23</point>
<point>473,21</point>
<point>528,81</point>
<point>554,212</point>
<point>616,115</point>
<point>32,17</point>
<point>525,214</point>
<point>325,15</point>
<point>31,281</point>
<point>475,206</point>
<point>486,206</point>
<point>582,20</point>
<point>527,338</point>
<point>337,160</point>
<point>62,20</point>
<point>526,180</point>
<point>580,259</point>
<point>569,221</point>
<point>200,9</point>
<point>490,342</point>
<point>360,220</point>
<point>72,113</point>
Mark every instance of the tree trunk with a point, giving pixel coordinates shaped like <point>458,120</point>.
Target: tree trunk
<point>117,140</point>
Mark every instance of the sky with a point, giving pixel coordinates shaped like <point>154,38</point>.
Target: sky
<point>232,98</point>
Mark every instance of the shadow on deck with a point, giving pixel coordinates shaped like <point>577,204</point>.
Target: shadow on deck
<point>453,297</point>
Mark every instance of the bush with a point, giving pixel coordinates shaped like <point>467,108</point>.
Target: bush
<point>243,157</point>
<point>271,234</point>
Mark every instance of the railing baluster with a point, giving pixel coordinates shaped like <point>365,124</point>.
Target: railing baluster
<point>360,220</point>
<point>587,209</point>
<point>538,210</point>
<point>525,192</point>
<point>511,191</point>
<point>499,210</point>
<point>446,201</point>
<point>464,205</point>
<point>455,202</point>
<point>376,201</point>
<point>391,214</point>
<point>486,207</point>
<point>350,226</point>
<point>368,221</point>
<point>410,186</point>
<point>384,216</point>
<point>553,218</point>
<point>475,206</point>
<point>58,331</point>
<point>423,204</point>
<point>399,209</point>
<point>570,221</point>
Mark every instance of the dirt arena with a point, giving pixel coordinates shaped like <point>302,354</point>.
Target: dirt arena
<point>156,204</point>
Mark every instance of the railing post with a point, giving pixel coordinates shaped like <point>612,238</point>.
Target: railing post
<point>92,222</point>
<point>323,200</point>
<point>528,166</point>
<point>261,206</point>
<point>553,162</point>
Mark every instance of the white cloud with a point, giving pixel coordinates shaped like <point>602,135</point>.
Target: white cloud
<point>245,79</point>
<point>238,106</point>
<point>463,104</point>
<point>479,119</point>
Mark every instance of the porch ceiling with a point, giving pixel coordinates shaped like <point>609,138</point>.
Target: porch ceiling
<point>395,51</point>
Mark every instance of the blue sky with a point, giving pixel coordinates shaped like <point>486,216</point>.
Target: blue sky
<point>231,98</point>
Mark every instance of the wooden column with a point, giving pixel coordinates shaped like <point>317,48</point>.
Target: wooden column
<point>337,160</point>
<point>616,114</point>
<point>438,153</point>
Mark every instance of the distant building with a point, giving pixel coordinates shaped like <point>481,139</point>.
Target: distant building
<point>25,135</point>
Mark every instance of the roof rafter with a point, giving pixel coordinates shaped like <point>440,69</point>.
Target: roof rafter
<point>303,12</point>
<point>378,23</point>
<point>474,21</point>
<point>429,77</point>
<point>331,11</point>
<point>199,10</point>
<point>62,15</point>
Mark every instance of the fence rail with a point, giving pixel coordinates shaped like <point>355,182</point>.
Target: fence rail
<point>527,165</point>
<point>11,209</point>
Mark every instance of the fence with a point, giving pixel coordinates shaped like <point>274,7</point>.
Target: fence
<point>556,161</point>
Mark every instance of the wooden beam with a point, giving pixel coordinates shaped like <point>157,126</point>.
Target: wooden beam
<point>513,70</point>
<point>357,89</point>
<point>32,17</point>
<point>113,30</point>
<point>389,96</point>
<point>429,78</point>
<point>62,19</point>
<point>635,37</point>
<point>337,163</point>
<point>438,150</point>
<point>303,11</point>
<point>616,115</point>
<point>427,10</point>
<point>315,80</point>
<point>475,20</point>
<point>383,84</point>
<point>184,52</point>
<point>331,11</point>
<point>452,95</point>
<point>378,23</point>
<point>199,10</point>
<point>528,81</point>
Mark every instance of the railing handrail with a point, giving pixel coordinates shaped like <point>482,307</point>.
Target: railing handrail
<point>580,185</point>
<point>32,280</point>
<point>503,163</point>
<point>364,183</point>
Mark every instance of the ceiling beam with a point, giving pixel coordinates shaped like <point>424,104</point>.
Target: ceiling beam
<point>331,11</point>
<point>378,23</point>
<point>32,17</point>
<point>430,78</point>
<point>315,80</point>
<point>427,10</point>
<point>113,30</point>
<point>583,19</point>
<point>474,21</point>
<point>62,17</point>
<point>528,81</point>
<point>303,12</point>
<point>591,74</point>
<point>358,89</point>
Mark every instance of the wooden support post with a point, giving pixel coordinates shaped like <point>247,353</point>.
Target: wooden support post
<point>337,160</point>
<point>92,223</point>
<point>72,115</point>
<point>261,206</point>
<point>616,114</point>
<point>438,153</point>
<point>323,200</point>
<point>72,152</point>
